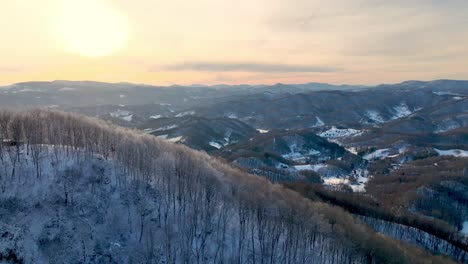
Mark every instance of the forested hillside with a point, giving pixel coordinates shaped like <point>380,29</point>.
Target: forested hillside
<point>74,189</point>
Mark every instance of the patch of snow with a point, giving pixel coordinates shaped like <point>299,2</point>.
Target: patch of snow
<point>335,181</point>
<point>362,177</point>
<point>296,156</point>
<point>165,128</point>
<point>337,133</point>
<point>128,118</point>
<point>263,131</point>
<point>25,90</point>
<point>457,98</point>
<point>452,152</point>
<point>215,145</point>
<point>66,89</point>
<point>175,139</point>
<point>319,122</point>
<point>122,114</point>
<point>155,116</point>
<point>122,96</point>
<point>352,150</point>
<point>185,113</point>
<point>116,244</point>
<point>53,106</point>
<point>315,167</point>
<point>378,154</point>
<point>447,93</point>
<point>465,228</point>
<point>401,110</point>
<point>374,116</point>
<point>447,127</point>
<point>231,115</point>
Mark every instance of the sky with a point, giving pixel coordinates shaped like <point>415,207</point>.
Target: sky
<point>233,41</point>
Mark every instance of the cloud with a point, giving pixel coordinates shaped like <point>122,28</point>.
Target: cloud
<point>244,67</point>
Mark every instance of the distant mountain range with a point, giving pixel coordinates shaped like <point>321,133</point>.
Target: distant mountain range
<point>393,156</point>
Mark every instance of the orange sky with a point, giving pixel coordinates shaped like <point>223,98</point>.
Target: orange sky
<point>243,41</point>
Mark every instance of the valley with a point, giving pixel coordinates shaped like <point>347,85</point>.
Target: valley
<point>252,173</point>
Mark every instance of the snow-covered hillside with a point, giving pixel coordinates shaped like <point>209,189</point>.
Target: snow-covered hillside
<point>75,190</point>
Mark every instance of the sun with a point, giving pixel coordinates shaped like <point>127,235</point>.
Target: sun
<point>91,28</point>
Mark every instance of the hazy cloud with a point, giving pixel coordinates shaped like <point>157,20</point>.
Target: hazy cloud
<point>9,69</point>
<point>244,67</point>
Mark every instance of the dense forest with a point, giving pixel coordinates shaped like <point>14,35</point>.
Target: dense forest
<point>75,189</point>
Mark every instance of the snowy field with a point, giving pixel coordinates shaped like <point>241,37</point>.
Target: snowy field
<point>453,152</point>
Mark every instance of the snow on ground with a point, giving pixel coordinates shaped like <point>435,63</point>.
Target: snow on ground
<point>297,156</point>
<point>121,105</point>
<point>335,181</point>
<point>122,96</point>
<point>155,116</point>
<point>401,110</point>
<point>315,167</point>
<point>352,150</point>
<point>447,93</point>
<point>166,128</point>
<point>174,139</point>
<point>231,115</point>
<point>337,132</point>
<point>465,228</point>
<point>375,116</point>
<point>215,144</point>
<point>361,175</point>
<point>459,153</point>
<point>185,113</point>
<point>263,131</point>
<point>66,89</point>
<point>151,130</point>
<point>128,118</point>
<point>25,90</point>
<point>122,114</point>
<point>319,122</point>
<point>378,154</point>
<point>447,127</point>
